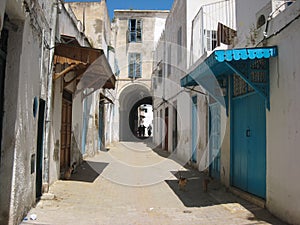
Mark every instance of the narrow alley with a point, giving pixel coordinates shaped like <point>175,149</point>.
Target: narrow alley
<point>115,187</point>
<point>149,112</point>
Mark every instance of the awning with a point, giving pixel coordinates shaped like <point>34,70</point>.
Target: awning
<point>91,67</point>
<point>98,75</point>
<point>250,64</point>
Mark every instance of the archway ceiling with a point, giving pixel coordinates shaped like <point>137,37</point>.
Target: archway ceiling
<point>134,94</point>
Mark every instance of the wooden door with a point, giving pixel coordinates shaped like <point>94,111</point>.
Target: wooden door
<point>66,128</point>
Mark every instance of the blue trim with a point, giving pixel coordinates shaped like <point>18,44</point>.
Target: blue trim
<point>221,63</point>
<point>245,53</point>
<point>84,127</point>
<point>244,95</point>
<point>100,126</point>
<point>250,83</point>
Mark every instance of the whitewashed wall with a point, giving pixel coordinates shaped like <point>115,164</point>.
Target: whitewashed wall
<point>246,20</point>
<point>182,15</point>
<point>283,120</point>
<point>23,81</point>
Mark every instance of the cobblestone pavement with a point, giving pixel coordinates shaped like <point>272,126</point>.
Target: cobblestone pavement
<point>131,184</point>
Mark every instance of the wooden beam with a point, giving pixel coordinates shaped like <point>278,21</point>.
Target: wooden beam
<point>74,78</point>
<point>64,72</point>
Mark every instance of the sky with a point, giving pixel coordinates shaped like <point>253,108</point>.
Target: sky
<point>132,4</point>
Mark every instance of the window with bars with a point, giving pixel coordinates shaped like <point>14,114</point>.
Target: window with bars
<point>134,65</point>
<point>135,30</point>
<point>211,39</point>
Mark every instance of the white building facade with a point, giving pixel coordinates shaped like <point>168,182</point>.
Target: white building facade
<point>51,71</point>
<point>181,114</point>
<point>135,34</point>
<point>25,65</point>
<point>256,139</point>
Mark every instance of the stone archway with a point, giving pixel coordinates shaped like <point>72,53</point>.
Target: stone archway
<point>130,98</point>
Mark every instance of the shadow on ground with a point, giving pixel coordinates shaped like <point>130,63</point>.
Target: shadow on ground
<point>88,171</point>
<point>193,194</point>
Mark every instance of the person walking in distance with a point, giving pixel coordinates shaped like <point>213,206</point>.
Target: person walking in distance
<point>149,130</point>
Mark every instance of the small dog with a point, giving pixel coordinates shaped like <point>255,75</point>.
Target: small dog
<point>69,171</point>
<point>182,181</point>
<point>205,182</point>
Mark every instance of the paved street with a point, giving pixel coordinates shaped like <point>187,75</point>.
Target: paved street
<point>131,184</point>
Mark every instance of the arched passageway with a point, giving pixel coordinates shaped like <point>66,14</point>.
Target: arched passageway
<point>134,99</point>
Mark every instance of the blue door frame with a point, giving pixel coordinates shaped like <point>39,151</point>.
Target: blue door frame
<point>85,125</point>
<point>101,126</point>
<point>194,129</point>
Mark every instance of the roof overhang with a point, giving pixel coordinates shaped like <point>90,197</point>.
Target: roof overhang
<point>92,69</point>
<point>221,63</point>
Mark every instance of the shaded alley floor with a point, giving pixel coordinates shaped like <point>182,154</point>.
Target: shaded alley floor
<point>131,184</point>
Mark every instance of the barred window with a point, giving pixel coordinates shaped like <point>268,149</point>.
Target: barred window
<point>211,39</point>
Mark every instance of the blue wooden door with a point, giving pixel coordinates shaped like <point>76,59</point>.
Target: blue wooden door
<point>214,139</point>
<point>194,129</point>
<point>101,126</point>
<point>249,144</point>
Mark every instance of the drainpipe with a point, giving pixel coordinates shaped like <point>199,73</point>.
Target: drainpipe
<point>53,24</point>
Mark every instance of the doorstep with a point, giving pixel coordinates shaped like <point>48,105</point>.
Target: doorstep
<point>249,197</point>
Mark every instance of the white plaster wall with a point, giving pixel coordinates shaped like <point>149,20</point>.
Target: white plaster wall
<point>184,127</point>
<point>202,150</point>
<point>92,132</point>
<point>23,77</point>
<point>24,81</point>
<point>77,123</point>
<point>67,26</point>
<point>152,28</point>
<point>55,135</point>
<point>159,27</point>
<point>246,20</point>
<point>181,15</point>
<point>283,120</point>
<point>225,148</point>
<point>96,22</point>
